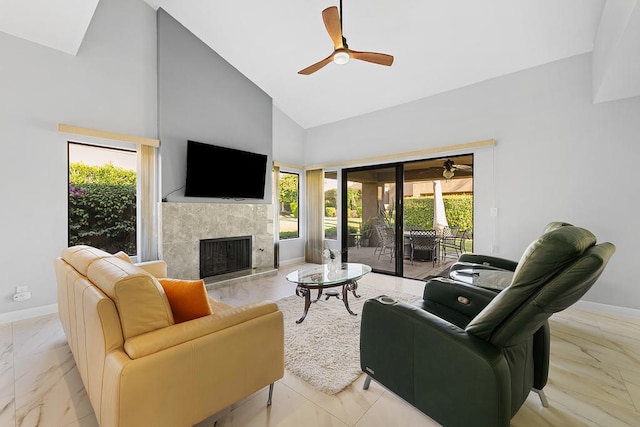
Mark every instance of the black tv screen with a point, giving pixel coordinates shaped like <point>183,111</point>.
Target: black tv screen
<point>214,171</point>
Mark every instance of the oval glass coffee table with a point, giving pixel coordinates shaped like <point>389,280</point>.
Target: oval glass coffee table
<point>320,277</point>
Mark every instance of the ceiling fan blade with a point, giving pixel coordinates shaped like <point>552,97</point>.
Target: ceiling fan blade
<point>331,20</point>
<point>463,167</point>
<point>315,67</point>
<point>376,58</point>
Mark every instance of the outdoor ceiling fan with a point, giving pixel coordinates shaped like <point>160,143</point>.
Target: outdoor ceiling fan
<point>450,168</point>
<point>341,52</point>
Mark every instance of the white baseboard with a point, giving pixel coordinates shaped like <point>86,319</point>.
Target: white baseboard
<point>28,313</point>
<point>609,309</point>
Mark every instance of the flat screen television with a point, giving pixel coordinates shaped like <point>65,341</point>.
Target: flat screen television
<point>214,171</point>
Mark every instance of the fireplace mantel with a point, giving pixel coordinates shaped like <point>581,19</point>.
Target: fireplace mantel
<point>183,225</point>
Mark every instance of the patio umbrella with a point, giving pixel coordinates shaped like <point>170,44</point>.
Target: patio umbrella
<point>439,216</point>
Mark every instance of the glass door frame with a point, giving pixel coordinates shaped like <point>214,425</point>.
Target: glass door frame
<point>398,216</point>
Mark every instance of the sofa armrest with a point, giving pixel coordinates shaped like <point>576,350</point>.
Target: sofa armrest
<point>484,260</point>
<point>161,339</point>
<point>213,362</point>
<point>157,269</point>
<point>453,376</point>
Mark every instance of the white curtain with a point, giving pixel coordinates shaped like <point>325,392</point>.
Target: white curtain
<point>147,192</point>
<point>315,215</point>
<point>276,216</point>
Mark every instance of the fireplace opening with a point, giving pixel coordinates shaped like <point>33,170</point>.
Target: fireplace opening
<point>224,255</point>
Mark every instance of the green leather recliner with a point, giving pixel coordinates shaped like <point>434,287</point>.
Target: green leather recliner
<point>542,336</point>
<point>466,356</point>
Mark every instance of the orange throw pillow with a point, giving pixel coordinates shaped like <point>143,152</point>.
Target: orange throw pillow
<point>188,298</point>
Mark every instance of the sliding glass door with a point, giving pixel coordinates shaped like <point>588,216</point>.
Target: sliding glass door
<point>438,211</point>
<point>410,219</point>
<point>370,217</point>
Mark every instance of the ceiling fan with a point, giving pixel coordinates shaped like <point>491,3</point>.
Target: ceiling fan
<point>341,52</point>
<point>450,168</point>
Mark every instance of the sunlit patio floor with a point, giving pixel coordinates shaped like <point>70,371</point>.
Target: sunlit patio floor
<point>384,263</point>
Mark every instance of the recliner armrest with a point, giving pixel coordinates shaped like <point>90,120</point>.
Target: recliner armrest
<point>454,301</point>
<point>486,261</point>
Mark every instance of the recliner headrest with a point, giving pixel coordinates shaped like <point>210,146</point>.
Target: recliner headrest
<point>543,259</point>
<point>555,225</point>
<point>562,291</point>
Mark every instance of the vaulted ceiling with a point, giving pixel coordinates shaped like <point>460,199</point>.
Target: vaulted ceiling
<point>437,45</point>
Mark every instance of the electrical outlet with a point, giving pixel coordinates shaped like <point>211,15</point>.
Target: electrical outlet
<point>21,289</point>
<point>22,296</point>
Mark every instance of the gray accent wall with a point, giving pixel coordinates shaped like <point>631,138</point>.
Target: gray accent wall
<point>201,97</point>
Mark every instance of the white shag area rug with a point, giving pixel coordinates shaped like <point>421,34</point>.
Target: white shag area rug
<point>324,350</point>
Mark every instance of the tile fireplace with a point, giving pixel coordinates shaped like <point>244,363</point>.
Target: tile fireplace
<point>184,225</point>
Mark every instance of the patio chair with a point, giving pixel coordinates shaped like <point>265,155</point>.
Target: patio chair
<point>386,241</point>
<point>423,245</point>
<point>454,243</point>
<point>449,232</point>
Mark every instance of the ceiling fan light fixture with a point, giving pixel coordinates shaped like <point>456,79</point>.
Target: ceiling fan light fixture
<point>449,169</point>
<point>341,57</point>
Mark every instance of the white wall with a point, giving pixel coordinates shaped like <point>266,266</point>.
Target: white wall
<point>558,157</point>
<point>288,148</point>
<point>288,139</point>
<point>110,85</point>
<point>616,52</point>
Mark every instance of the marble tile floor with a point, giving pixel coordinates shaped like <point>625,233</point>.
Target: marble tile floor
<point>594,378</point>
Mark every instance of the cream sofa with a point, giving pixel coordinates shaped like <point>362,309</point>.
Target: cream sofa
<point>140,368</point>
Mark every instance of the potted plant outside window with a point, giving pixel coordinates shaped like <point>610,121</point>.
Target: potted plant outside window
<point>365,232</point>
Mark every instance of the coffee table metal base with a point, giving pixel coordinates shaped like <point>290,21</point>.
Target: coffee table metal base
<point>304,290</point>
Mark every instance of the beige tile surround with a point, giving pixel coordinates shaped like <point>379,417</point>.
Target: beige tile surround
<point>183,225</point>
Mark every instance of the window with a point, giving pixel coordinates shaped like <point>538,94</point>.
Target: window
<point>102,198</point>
<point>331,205</point>
<point>288,205</point>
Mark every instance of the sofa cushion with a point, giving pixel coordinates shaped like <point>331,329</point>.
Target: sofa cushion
<point>218,306</point>
<point>141,302</point>
<point>81,256</point>
<point>188,298</point>
<point>157,268</point>
<point>123,256</point>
